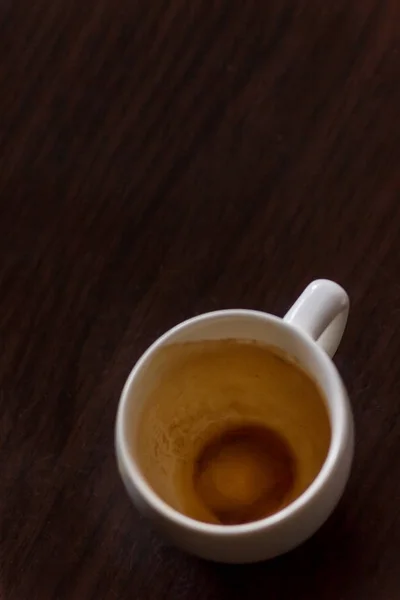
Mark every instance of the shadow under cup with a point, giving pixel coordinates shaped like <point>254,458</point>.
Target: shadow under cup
<point>225,428</point>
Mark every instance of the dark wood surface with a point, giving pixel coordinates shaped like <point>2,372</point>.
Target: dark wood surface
<point>161,159</point>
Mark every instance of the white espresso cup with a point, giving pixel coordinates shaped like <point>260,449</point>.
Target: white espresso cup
<point>310,333</point>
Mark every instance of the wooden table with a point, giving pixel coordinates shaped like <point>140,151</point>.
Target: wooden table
<point>160,159</point>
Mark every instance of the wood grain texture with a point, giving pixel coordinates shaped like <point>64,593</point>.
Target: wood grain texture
<point>161,159</point>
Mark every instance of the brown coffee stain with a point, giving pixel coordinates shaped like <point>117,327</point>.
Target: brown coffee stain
<point>230,430</point>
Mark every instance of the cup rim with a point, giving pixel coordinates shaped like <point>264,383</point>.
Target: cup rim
<point>338,430</point>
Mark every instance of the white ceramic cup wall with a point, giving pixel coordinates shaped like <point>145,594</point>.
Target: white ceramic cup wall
<point>310,332</point>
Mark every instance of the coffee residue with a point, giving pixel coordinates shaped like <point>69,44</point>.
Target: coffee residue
<point>244,474</point>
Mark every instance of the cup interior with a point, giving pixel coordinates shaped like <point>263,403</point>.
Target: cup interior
<point>232,324</point>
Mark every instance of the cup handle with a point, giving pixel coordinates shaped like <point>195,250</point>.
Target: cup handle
<point>321,311</point>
